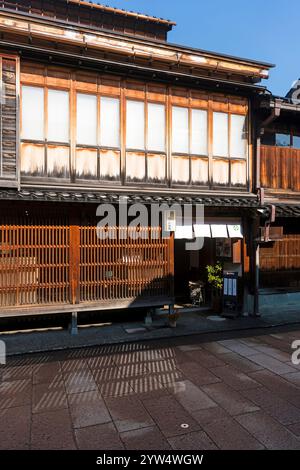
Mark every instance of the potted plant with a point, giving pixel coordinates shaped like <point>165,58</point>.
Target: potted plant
<point>172,318</point>
<point>215,279</point>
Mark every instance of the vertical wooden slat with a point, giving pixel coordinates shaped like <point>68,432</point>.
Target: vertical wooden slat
<point>74,263</point>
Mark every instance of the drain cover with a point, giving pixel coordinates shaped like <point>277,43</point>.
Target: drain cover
<point>184,426</point>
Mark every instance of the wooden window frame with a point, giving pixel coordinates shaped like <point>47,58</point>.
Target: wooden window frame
<point>102,85</point>
<point>98,147</point>
<point>146,151</point>
<point>230,157</point>
<point>45,142</point>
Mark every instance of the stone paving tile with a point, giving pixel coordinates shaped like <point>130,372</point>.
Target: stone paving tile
<point>133,370</point>
<point>210,415</point>
<point>229,435</point>
<point>241,363</point>
<point>74,365</point>
<point>15,428</point>
<point>79,381</point>
<point>272,364</point>
<point>161,366</point>
<point>179,356</point>
<point>191,397</point>
<point>197,374</point>
<point>268,431</point>
<point>275,353</point>
<point>115,388</point>
<point>48,372</point>
<point>276,343</point>
<point>234,378</point>
<point>107,374</point>
<point>215,348</point>
<point>293,377</point>
<point>282,387</point>
<point>238,347</point>
<point>284,412</point>
<point>52,430</point>
<point>169,415</point>
<point>190,347</point>
<point>252,341</point>
<point>15,393</point>
<point>169,378</point>
<point>17,373</point>
<point>194,441</point>
<point>233,402</point>
<point>100,362</point>
<point>88,409</point>
<point>145,439</point>
<point>100,437</point>
<point>148,385</point>
<point>295,429</point>
<point>125,358</point>
<point>205,358</point>
<point>128,413</point>
<point>47,397</point>
<point>154,355</point>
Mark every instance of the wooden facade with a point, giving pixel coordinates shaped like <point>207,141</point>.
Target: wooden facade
<point>163,165</point>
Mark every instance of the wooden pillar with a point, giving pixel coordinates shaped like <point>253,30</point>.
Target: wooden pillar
<point>74,271</point>
<point>171,264</point>
<point>255,266</point>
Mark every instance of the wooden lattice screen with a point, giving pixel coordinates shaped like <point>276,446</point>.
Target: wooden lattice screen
<point>281,255</point>
<point>119,268</point>
<point>42,265</point>
<point>34,265</point>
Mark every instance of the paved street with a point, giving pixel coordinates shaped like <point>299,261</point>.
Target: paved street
<point>172,394</point>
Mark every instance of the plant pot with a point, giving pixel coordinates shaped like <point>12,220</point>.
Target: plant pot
<point>172,323</point>
<point>217,304</point>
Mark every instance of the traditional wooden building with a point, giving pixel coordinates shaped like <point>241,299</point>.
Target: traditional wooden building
<point>279,161</point>
<point>97,105</point>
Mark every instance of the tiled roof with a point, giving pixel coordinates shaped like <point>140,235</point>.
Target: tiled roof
<point>146,198</point>
<point>123,12</point>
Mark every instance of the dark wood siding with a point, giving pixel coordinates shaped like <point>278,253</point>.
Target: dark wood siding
<point>280,168</point>
<point>9,119</point>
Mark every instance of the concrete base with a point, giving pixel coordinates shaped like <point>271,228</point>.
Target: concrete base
<point>73,326</point>
<point>274,301</point>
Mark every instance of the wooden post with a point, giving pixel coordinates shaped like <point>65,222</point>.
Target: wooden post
<point>255,267</point>
<point>74,272</point>
<point>171,264</point>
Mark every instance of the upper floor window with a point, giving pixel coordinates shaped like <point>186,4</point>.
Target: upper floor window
<point>87,120</point>
<point>231,143</point>
<point>52,126</point>
<point>136,121</point>
<point>88,117</point>
<point>46,121</point>
<point>189,131</point>
<point>281,139</point>
<point>33,113</point>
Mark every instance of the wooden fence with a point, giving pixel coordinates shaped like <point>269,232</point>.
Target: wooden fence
<point>46,265</point>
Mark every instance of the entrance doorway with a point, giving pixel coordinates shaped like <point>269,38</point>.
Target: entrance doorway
<point>190,266</point>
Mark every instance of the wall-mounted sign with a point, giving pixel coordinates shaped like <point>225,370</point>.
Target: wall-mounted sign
<point>170,221</point>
